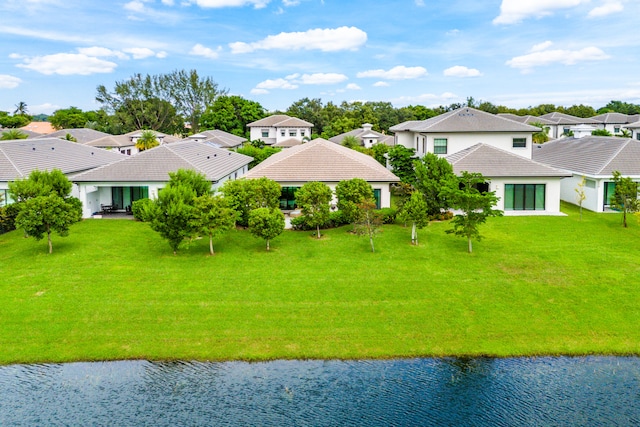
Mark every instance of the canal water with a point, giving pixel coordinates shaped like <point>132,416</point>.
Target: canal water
<point>558,391</point>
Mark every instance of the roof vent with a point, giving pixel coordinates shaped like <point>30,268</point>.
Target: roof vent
<point>34,148</point>
<point>53,148</point>
<point>208,157</point>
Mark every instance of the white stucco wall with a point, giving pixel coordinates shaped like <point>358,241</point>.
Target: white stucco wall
<point>552,194</point>
<point>385,194</point>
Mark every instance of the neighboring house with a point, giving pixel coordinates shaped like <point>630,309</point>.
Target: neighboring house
<point>530,120</point>
<point>366,135</point>
<point>287,143</point>
<point>615,122</point>
<point>562,123</point>
<point>523,186</point>
<point>126,144</point>
<point>117,185</point>
<point>595,158</point>
<point>634,128</point>
<point>18,158</point>
<point>40,128</point>
<point>218,138</point>
<point>81,135</point>
<point>274,129</point>
<point>324,161</point>
<point>460,129</point>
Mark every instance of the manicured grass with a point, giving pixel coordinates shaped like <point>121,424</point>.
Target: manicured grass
<point>114,290</point>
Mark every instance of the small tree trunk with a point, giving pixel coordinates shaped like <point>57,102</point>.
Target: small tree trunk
<point>211,245</point>
<point>470,248</point>
<point>49,239</point>
<point>414,234</point>
<point>267,244</point>
<point>318,230</point>
<point>371,242</point>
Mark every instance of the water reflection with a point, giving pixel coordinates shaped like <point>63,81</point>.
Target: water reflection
<point>450,391</point>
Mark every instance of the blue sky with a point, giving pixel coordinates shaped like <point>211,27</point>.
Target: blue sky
<point>518,53</point>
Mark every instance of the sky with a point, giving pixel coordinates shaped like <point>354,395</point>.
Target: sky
<point>518,53</point>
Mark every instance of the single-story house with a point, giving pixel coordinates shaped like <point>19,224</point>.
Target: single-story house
<point>126,144</point>
<point>324,161</point>
<point>366,135</point>
<point>18,158</point>
<point>114,187</point>
<point>595,158</point>
<point>218,138</point>
<point>523,186</point>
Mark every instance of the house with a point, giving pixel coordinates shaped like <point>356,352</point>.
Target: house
<point>562,123</point>
<point>274,129</point>
<point>460,129</point>
<point>218,138</point>
<point>634,128</point>
<point>324,161</point>
<point>530,120</point>
<point>81,135</point>
<point>118,184</point>
<point>126,144</point>
<point>615,123</point>
<point>18,158</point>
<point>366,135</point>
<point>523,186</point>
<point>595,158</point>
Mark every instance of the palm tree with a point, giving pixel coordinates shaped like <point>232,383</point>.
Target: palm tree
<point>70,137</point>
<point>147,140</point>
<point>10,134</point>
<point>542,136</point>
<point>21,108</point>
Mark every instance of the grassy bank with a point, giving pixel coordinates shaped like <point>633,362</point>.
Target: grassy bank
<point>533,286</point>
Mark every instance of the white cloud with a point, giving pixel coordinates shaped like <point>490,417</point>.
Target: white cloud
<point>143,52</point>
<point>461,71</point>
<point>200,50</point>
<point>326,40</point>
<point>288,3</point>
<point>167,2</point>
<point>68,64</point>
<point>609,7</point>
<point>399,72</point>
<point>161,54</point>
<point>257,4</point>
<point>514,11</point>
<point>276,84</point>
<point>256,91</point>
<point>46,108</point>
<point>541,46</point>
<point>101,51</point>
<point>540,58</point>
<point>381,84</point>
<point>44,35</point>
<point>427,99</point>
<point>353,86</point>
<point>9,82</point>
<point>322,78</point>
<point>135,6</point>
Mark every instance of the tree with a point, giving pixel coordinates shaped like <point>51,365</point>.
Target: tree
<point>21,108</point>
<point>351,141</point>
<point>266,223</point>
<point>192,179</point>
<point>379,151</point>
<point>15,121</point>
<point>601,132</point>
<point>45,204</point>
<point>580,194</point>
<point>147,140</point>
<point>314,198</point>
<point>475,206</point>
<point>416,211</point>
<point>401,161</point>
<point>212,216</point>
<point>232,114</point>
<point>309,110</point>
<point>246,195</point>
<point>350,194</point>
<point>68,118</point>
<point>259,154</point>
<point>368,221</point>
<point>625,196</point>
<point>434,177</point>
<point>543,135</point>
<point>12,134</point>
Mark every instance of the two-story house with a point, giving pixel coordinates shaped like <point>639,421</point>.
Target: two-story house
<point>278,128</point>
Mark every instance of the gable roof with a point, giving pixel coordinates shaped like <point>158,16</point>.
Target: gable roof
<point>82,135</point>
<point>592,155</point>
<point>280,120</point>
<point>528,119</point>
<point>493,162</point>
<point>219,138</point>
<point>364,133</point>
<point>19,157</point>
<point>568,119</point>
<point>127,139</point>
<point>616,118</point>
<point>321,160</point>
<point>155,164</point>
<point>286,143</point>
<point>462,120</point>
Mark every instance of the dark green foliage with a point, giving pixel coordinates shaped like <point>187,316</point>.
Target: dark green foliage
<point>40,183</point>
<point>192,179</point>
<point>266,223</point>
<point>415,211</point>
<point>69,118</point>
<point>475,206</point>
<point>8,216</point>
<point>379,151</point>
<point>601,132</point>
<point>434,178</point>
<point>351,141</point>
<point>314,198</point>
<point>244,195</point>
<point>350,193</point>
<point>387,215</point>
<point>401,160</point>
<point>625,196</point>
<point>11,134</point>
<point>171,214</point>
<point>212,216</point>
<point>232,113</point>
<point>259,154</point>
<point>142,209</point>
<point>13,121</point>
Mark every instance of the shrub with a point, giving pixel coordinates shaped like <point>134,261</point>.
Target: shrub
<point>8,216</point>
<point>442,216</point>
<point>336,219</point>
<point>141,209</point>
<point>388,215</point>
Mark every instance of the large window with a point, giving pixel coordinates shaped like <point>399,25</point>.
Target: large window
<point>293,132</point>
<point>265,133</point>
<point>519,142</point>
<point>524,197</point>
<point>122,197</point>
<point>377,195</point>
<point>609,189</point>
<point>440,146</point>
<point>288,198</point>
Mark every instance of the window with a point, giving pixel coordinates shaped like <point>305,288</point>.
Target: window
<point>638,135</point>
<point>616,129</point>
<point>302,132</point>
<point>283,132</point>
<point>377,195</point>
<point>524,197</point>
<point>519,142</point>
<point>590,183</point>
<point>440,146</point>
<point>265,133</point>
<point>288,198</point>
<point>293,132</point>
<point>566,130</point>
<point>609,190</point>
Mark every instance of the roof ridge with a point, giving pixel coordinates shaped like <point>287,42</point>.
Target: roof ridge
<point>614,155</point>
<point>11,162</point>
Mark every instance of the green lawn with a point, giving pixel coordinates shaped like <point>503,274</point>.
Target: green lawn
<point>114,290</point>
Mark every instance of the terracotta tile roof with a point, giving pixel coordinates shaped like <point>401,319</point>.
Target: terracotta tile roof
<point>321,160</point>
<point>493,162</point>
<point>42,128</point>
<point>155,164</point>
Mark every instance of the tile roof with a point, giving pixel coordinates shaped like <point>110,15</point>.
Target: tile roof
<point>321,160</point>
<point>568,119</point>
<point>364,133</point>
<point>126,140</point>
<point>280,120</point>
<point>464,119</point>
<point>155,164</point>
<point>286,143</point>
<point>39,127</point>
<point>616,118</point>
<point>219,138</point>
<point>528,119</point>
<point>19,157</point>
<point>493,162</point>
<point>592,155</point>
<point>82,135</point>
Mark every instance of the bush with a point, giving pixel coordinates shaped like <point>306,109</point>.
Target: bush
<point>8,216</point>
<point>388,215</point>
<point>141,209</point>
<point>336,219</point>
<point>442,216</point>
